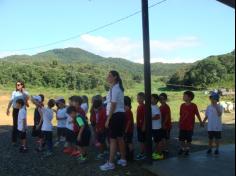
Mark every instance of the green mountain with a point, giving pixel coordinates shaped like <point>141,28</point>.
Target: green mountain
<point>214,71</point>
<point>74,68</point>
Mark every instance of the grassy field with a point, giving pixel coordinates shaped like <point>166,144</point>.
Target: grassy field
<point>175,98</point>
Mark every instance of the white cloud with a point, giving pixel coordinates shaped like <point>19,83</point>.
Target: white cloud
<point>131,49</point>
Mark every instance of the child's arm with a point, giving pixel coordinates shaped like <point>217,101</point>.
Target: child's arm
<point>80,133</point>
<point>218,110</point>
<point>205,119</point>
<point>24,124</point>
<point>40,110</point>
<point>128,126</point>
<point>199,118</point>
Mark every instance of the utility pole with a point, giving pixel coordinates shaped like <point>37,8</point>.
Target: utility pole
<point>147,79</point>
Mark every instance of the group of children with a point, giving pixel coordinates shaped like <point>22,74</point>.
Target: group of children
<point>74,131</point>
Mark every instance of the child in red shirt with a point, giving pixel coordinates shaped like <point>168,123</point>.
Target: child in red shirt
<point>129,129</point>
<point>98,119</point>
<point>166,120</point>
<point>188,111</point>
<point>141,127</point>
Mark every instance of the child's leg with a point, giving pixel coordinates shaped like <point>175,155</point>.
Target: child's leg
<point>49,141</point>
<point>143,149</point>
<point>217,141</point>
<point>23,142</point>
<point>210,143</point>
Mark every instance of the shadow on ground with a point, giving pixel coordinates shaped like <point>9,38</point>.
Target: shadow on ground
<point>13,163</point>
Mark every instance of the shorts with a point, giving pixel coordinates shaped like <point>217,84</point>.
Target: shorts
<point>185,135</point>
<point>117,125</point>
<point>128,137</point>
<point>157,135</point>
<point>61,131</point>
<point>101,137</point>
<point>47,135</point>
<point>214,135</point>
<point>85,139</point>
<point>70,136</point>
<point>37,132</point>
<point>166,134</point>
<point>141,135</point>
<point>22,135</point>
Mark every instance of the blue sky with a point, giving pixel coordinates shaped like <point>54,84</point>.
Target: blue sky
<point>180,30</point>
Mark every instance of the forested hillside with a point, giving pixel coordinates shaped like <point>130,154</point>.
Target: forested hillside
<point>74,68</point>
<point>212,71</point>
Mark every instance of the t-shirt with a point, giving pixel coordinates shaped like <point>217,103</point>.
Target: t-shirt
<point>61,115</point>
<point>69,123</point>
<point>85,107</point>
<point>98,118</point>
<point>140,118</point>
<point>166,116</point>
<point>37,117</point>
<point>115,95</point>
<point>22,116</point>
<point>156,124</point>
<point>129,118</point>
<point>47,119</point>
<point>214,120</point>
<point>81,122</point>
<point>16,95</point>
<point>187,116</point>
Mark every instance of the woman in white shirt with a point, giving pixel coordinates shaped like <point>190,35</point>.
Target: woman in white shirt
<point>19,93</point>
<point>115,120</point>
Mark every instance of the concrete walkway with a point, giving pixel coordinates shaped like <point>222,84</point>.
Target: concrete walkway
<point>198,164</point>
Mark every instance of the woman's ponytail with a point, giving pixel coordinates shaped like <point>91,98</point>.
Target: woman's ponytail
<point>118,79</point>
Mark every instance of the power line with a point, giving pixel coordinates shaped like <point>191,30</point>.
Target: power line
<point>88,32</point>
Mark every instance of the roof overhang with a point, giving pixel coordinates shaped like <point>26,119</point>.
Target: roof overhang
<point>230,3</point>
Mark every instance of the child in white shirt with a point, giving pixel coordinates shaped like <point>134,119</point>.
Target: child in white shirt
<point>22,124</point>
<point>47,127</point>
<point>157,132</point>
<point>61,120</point>
<point>214,114</point>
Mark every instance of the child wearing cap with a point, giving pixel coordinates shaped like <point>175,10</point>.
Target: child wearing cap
<point>36,132</point>
<point>61,120</point>
<point>214,114</point>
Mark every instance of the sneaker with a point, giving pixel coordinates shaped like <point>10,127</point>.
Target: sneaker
<point>122,163</point>
<point>158,157</point>
<point>23,150</point>
<point>56,144</point>
<point>82,159</point>
<point>66,145</point>
<point>68,150</point>
<point>181,151</point>
<point>107,166</point>
<point>62,139</point>
<point>75,153</point>
<point>39,150</point>
<point>100,156</point>
<point>217,152</point>
<point>140,157</point>
<point>209,151</point>
<point>186,153</point>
